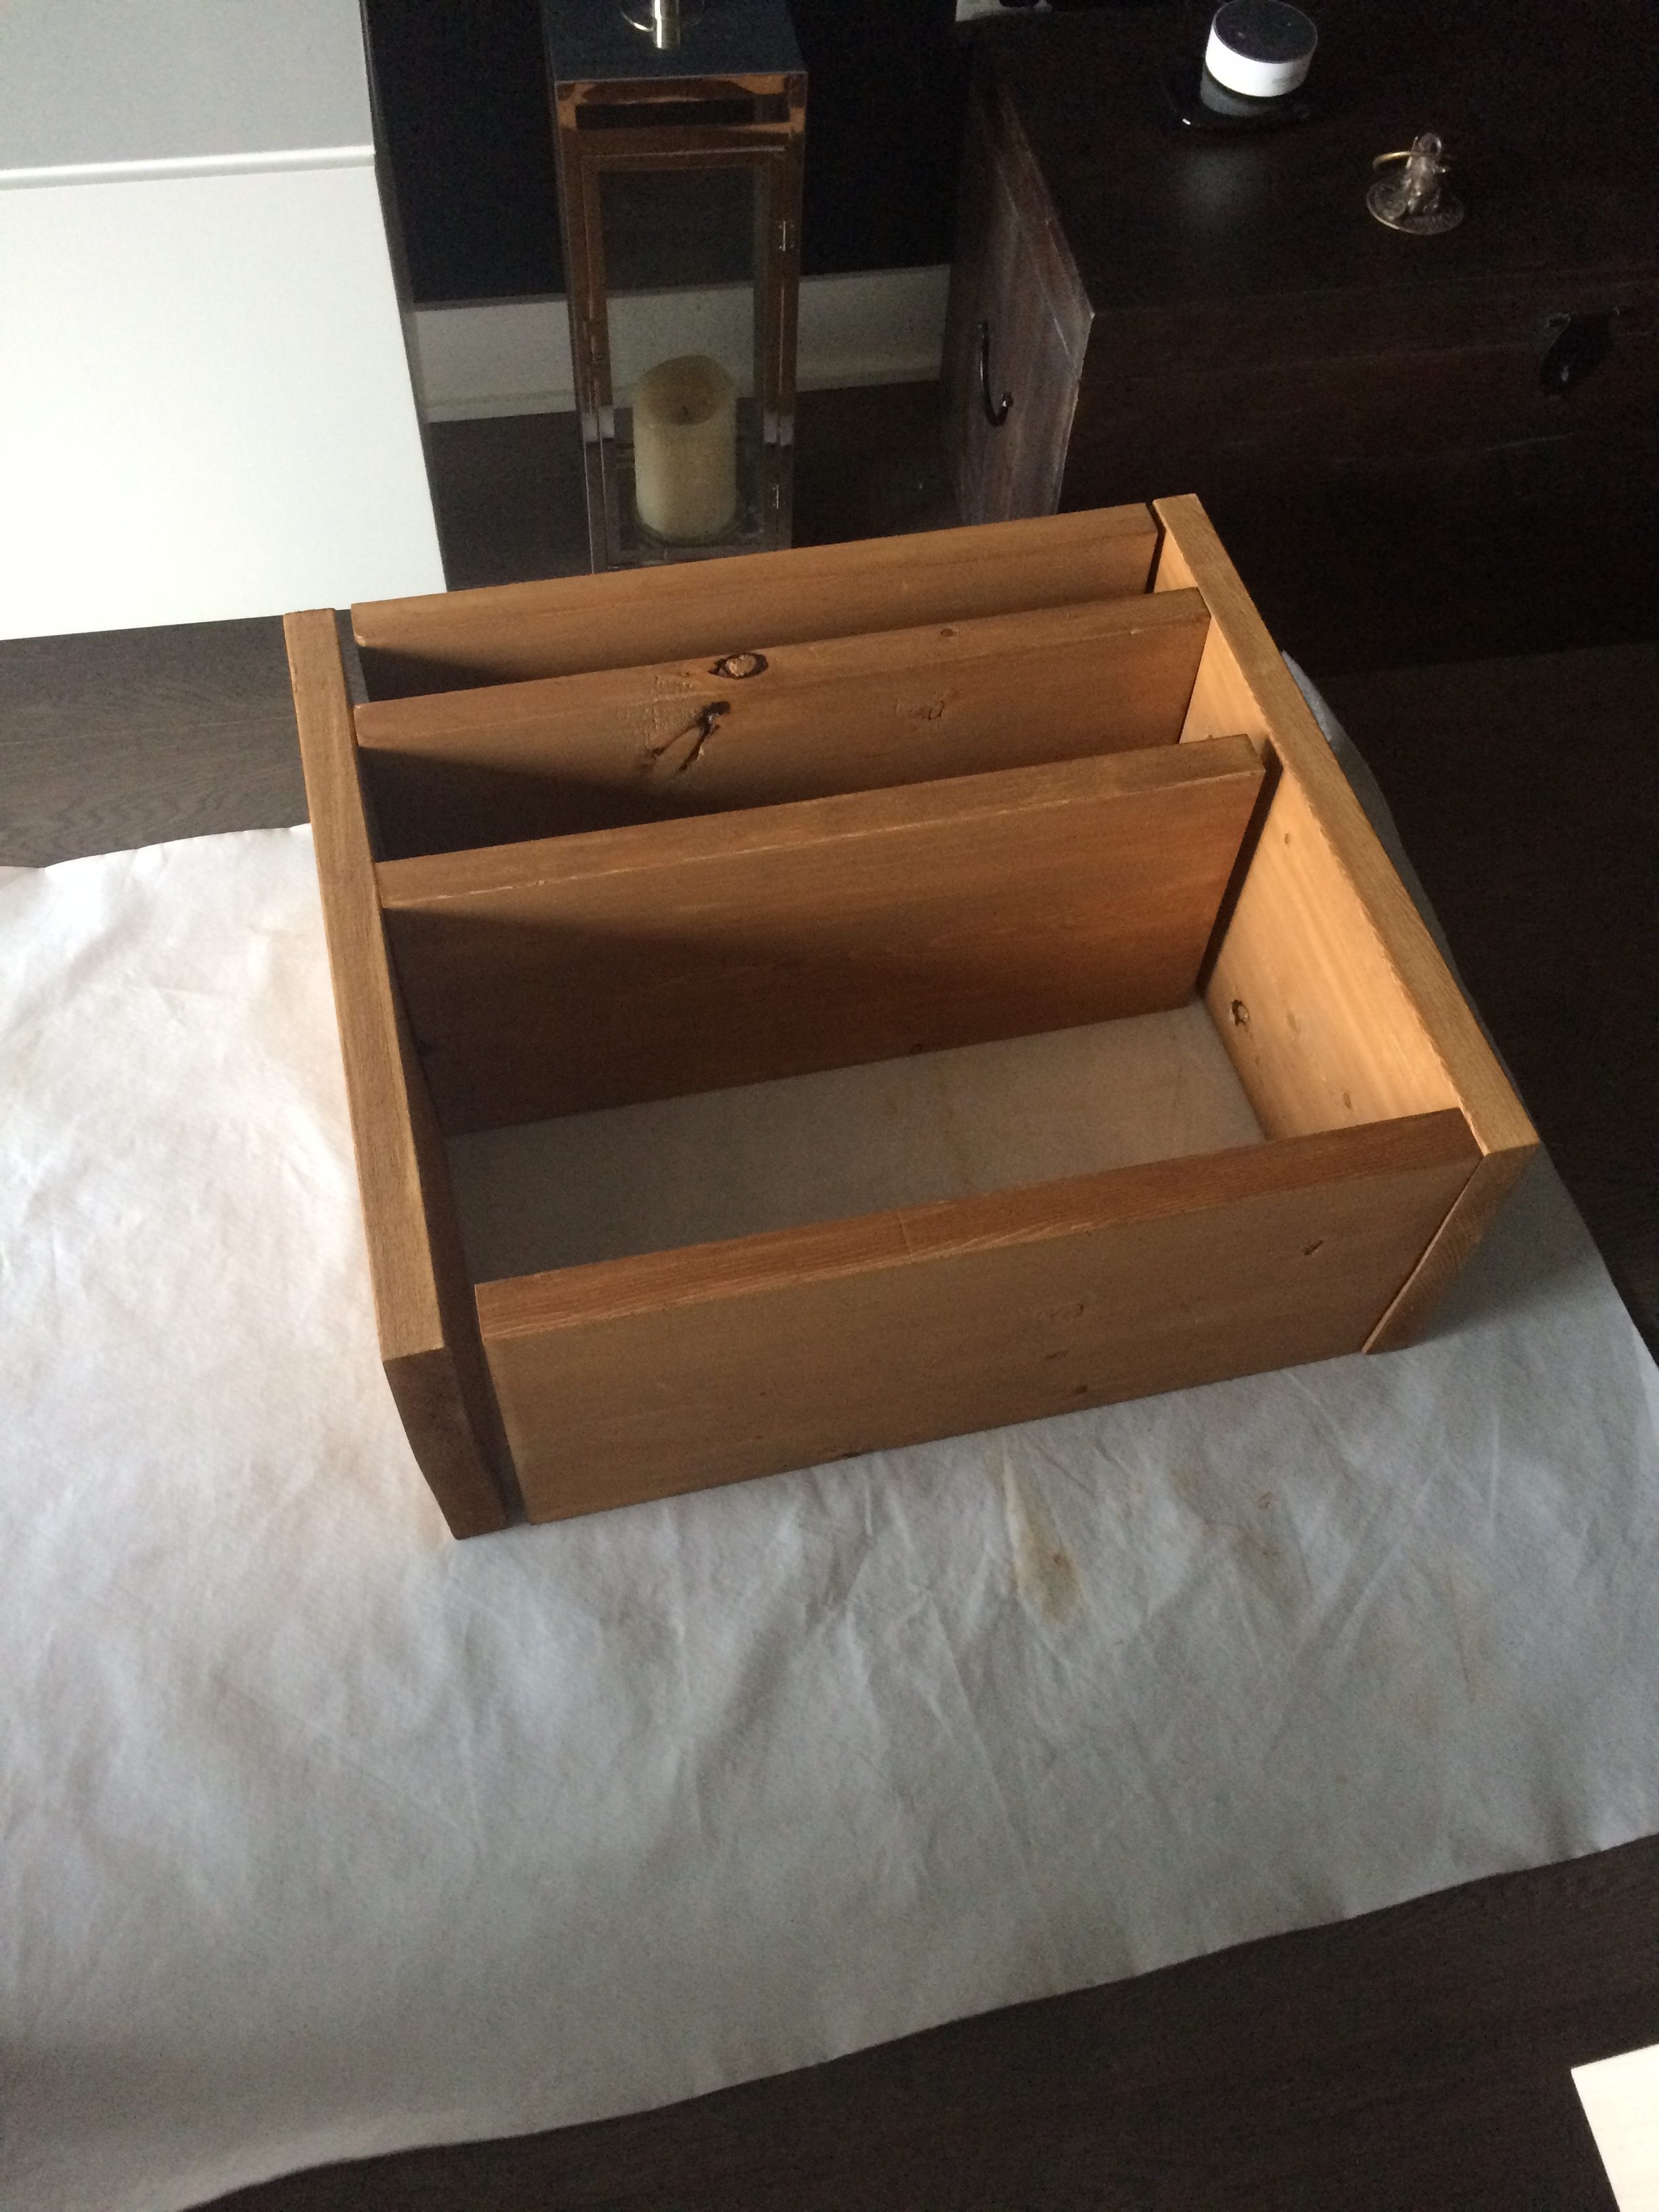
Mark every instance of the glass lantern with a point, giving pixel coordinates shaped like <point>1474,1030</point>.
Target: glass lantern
<point>679,130</point>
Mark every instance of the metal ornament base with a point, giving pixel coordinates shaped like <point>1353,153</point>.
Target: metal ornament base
<point>1387,201</point>
<point>1413,196</point>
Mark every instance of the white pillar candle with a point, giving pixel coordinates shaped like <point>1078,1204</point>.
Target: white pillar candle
<point>685,447</point>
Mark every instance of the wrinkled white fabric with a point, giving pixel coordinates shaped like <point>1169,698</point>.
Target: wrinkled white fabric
<point>325,1835</point>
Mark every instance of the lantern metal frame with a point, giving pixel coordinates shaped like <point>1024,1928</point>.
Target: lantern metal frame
<point>730,94</point>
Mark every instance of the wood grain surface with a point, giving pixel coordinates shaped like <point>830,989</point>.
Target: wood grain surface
<point>1137,433</point>
<point>1016,328</point>
<point>536,759</point>
<point>1325,985</point>
<point>581,972</point>
<point>961,1316</point>
<point>423,1307</point>
<point>503,634</point>
<point>1317,1023</point>
<point>131,736</point>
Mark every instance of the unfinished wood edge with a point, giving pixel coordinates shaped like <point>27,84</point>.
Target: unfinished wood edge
<point>799,825</point>
<point>1160,536</point>
<point>942,1230</point>
<point>1255,828</point>
<point>439,1379</point>
<point>463,1449</point>
<point>1192,555</point>
<point>1175,571</point>
<point>1473,1212</point>
<point>404,1282</point>
<point>988,542</point>
<point>436,1406</point>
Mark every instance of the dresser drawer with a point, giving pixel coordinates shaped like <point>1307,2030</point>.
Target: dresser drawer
<point>1247,423</point>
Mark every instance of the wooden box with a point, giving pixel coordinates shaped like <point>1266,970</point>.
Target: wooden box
<point>712,833</point>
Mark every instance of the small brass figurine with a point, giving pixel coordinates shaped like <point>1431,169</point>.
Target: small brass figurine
<point>1413,197</point>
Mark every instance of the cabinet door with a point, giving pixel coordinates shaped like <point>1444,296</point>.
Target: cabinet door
<point>1009,380</point>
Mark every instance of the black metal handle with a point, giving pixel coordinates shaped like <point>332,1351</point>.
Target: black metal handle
<point>996,410</point>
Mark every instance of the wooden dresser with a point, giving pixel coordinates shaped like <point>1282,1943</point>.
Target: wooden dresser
<point>1160,306</point>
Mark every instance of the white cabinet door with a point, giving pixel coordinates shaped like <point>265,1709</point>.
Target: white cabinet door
<point>205,405</point>
<point>205,401</point>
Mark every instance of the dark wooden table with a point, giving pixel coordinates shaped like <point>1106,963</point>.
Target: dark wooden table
<point>1414,2061</point>
<point>1162,309</point>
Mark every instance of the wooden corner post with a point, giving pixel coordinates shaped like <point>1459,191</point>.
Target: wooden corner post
<point>423,1301</point>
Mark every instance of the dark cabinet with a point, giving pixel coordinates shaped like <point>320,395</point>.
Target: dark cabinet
<point>1166,311</point>
<point>1013,350</point>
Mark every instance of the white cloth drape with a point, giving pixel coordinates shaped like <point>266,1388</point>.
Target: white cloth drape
<point>324,1835</point>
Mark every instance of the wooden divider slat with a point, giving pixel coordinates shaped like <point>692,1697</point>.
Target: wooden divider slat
<point>581,972</point>
<point>572,753</point>
<point>1332,997</point>
<point>636,1378</point>
<point>423,1303</point>
<point>505,633</point>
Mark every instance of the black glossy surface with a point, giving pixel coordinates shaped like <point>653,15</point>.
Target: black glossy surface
<point>464,97</point>
<point>1183,78</point>
<point>1547,111</point>
<point>590,39</point>
<point>467,132</point>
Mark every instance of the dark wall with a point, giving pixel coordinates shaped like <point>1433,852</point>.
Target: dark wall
<point>464,111</point>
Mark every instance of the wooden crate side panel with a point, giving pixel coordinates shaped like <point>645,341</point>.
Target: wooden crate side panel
<point>693,955</point>
<point>639,1378</point>
<point>1244,684</point>
<point>574,753</point>
<point>424,1309</point>
<point>1317,1023</point>
<point>1325,928</point>
<point>506,633</point>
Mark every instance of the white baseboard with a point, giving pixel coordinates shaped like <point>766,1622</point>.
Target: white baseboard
<point>513,356</point>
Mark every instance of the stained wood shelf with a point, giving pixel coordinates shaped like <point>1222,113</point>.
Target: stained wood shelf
<point>818,809</point>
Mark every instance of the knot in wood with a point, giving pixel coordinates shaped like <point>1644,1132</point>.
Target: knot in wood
<point>739,665</point>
